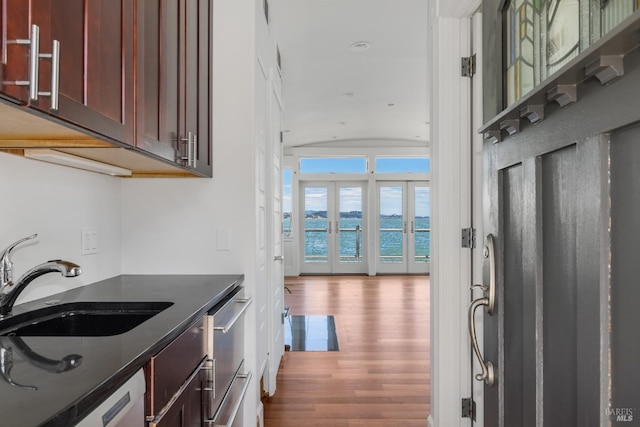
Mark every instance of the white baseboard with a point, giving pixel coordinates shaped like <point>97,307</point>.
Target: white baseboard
<point>260,415</point>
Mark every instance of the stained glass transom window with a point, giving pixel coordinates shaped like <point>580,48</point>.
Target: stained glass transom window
<point>540,36</point>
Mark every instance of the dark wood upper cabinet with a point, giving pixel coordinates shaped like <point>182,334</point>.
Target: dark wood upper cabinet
<point>205,42</point>
<point>133,73</point>
<point>173,76</point>
<point>96,63</point>
<point>14,50</point>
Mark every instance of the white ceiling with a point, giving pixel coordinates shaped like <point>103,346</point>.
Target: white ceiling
<point>388,82</point>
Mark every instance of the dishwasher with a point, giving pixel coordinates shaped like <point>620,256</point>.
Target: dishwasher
<point>123,408</point>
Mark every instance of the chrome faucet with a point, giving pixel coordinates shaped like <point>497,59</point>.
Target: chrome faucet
<point>9,290</point>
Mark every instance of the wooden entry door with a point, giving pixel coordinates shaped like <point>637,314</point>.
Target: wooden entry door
<point>544,215</point>
<point>561,336</point>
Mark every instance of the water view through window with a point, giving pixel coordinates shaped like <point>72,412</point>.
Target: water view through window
<point>337,230</point>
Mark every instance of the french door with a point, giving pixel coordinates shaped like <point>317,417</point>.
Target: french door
<point>333,224</point>
<point>403,227</point>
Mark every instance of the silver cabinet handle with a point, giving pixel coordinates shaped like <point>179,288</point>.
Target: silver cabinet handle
<point>226,328</point>
<point>404,227</point>
<point>34,54</point>
<point>236,408</point>
<point>278,258</point>
<point>329,225</point>
<point>187,141</point>
<point>237,404</point>
<point>210,388</point>
<point>195,150</point>
<point>34,63</point>
<point>412,228</point>
<point>488,373</point>
<point>54,90</point>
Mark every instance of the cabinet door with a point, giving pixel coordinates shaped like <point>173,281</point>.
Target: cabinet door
<point>95,66</point>
<point>14,57</point>
<point>204,143</point>
<point>174,89</point>
<point>157,77</point>
<point>186,410</point>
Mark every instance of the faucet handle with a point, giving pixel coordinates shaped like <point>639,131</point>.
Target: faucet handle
<point>5,260</point>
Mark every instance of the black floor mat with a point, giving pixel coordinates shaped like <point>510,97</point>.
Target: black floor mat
<point>310,333</point>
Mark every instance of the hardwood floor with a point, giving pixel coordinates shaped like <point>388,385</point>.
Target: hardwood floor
<point>381,375</point>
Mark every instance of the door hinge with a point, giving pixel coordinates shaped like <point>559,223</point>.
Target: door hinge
<point>285,313</point>
<point>469,238</point>
<point>468,66</point>
<point>469,408</point>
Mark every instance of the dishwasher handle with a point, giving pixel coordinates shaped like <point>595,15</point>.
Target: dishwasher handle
<point>227,327</point>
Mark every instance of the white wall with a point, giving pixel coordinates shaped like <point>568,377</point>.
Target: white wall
<point>57,202</point>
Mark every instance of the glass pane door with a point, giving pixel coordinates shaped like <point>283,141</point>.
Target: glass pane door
<point>420,232</point>
<point>350,228</point>
<point>316,227</point>
<point>333,233</point>
<point>392,228</point>
<point>404,227</point>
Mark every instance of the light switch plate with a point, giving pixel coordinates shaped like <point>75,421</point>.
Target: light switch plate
<point>89,241</point>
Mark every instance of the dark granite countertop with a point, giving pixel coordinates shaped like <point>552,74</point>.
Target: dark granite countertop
<point>61,399</point>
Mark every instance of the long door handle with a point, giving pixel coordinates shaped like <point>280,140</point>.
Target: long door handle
<point>358,241</point>
<point>488,374</point>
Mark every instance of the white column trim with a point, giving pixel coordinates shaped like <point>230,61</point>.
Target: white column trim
<point>451,199</point>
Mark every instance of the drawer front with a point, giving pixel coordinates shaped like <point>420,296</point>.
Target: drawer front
<point>174,364</point>
<point>227,325</point>
<point>229,414</point>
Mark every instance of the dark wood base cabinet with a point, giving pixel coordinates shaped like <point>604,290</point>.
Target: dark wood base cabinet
<point>176,380</point>
<point>186,410</point>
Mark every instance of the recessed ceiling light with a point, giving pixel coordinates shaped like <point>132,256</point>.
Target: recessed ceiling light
<point>360,46</point>
<point>341,123</point>
<point>391,104</point>
<point>334,137</point>
<point>348,95</point>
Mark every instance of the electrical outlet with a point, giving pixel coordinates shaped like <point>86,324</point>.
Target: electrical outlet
<point>89,241</point>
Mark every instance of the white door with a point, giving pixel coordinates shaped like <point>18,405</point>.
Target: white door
<point>333,221</point>
<point>276,326</point>
<point>403,224</point>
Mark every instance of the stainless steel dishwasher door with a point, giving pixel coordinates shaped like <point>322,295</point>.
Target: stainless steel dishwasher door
<point>225,327</point>
<point>123,408</point>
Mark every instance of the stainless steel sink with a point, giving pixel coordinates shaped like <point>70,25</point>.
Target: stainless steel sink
<point>87,319</point>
